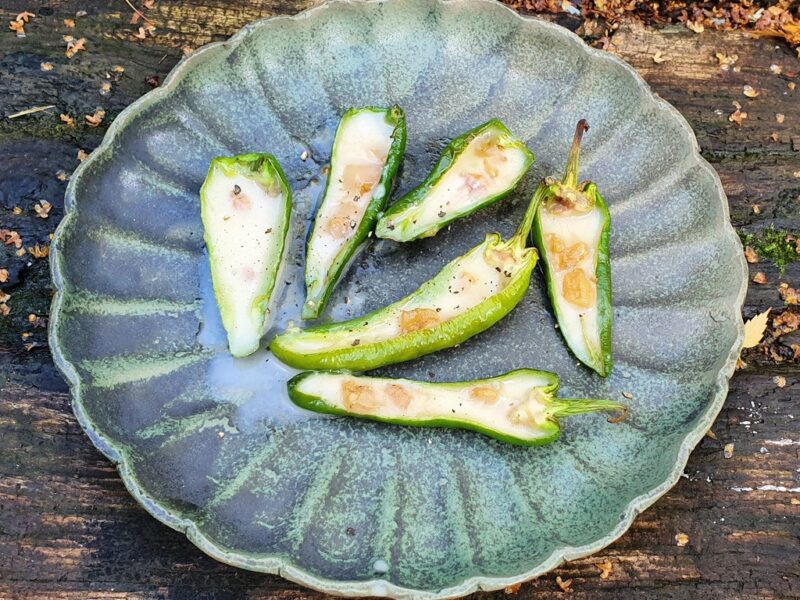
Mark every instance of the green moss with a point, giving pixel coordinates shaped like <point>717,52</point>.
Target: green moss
<point>774,245</point>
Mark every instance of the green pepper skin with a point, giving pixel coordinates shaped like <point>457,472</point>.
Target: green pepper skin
<point>264,170</point>
<point>600,361</point>
<point>318,291</point>
<point>542,434</point>
<point>397,223</point>
<point>411,345</point>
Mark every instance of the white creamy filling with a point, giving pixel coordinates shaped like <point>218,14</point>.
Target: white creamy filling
<point>359,155</point>
<point>242,222</point>
<point>579,325</point>
<point>472,280</point>
<point>513,405</point>
<point>477,174</point>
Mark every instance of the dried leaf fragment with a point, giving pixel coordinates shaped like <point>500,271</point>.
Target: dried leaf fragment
<point>738,115</point>
<point>4,297</point>
<point>25,16</point>
<point>756,209</point>
<point>791,85</point>
<point>776,69</point>
<point>39,251</point>
<point>681,539</point>
<point>3,275</point>
<point>69,121</point>
<point>5,310</point>
<point>754,329</point>
<point>695,26</point>
<point>42,209</point>
<point>69,23</point>
<point>727,451</point>
<point>564,585</point>
<point>95,119</point>
<point>105,88</point>
<point>512,589</point>
<point>780,117</point>
<point>760,278</point>
<point>750,255</point>
<point>75,46</point>
<point>659,57</point>
<point>779,380</point>
<point>750,91</point>
<point>46,66</point>
<point>788,294</point>
<point>61,175</point>
<point>726,61</point>
<point>82,154</point>
<point>9,238</point>
<point>17,27</point>
<point>606,568</point>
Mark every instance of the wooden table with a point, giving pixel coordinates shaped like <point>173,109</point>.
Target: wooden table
<point>68,529</point>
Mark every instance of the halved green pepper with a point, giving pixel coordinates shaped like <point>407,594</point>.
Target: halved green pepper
<point>245,204</point>
<point>367,151</point>
<point>572,232</point>
<point>475,170</point>
<point>518,407</point>
<point>467,296</point>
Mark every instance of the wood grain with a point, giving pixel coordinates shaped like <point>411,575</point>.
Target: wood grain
<point>68,528</point>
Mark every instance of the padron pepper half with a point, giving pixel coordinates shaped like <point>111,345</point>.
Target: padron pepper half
<point>518,407</point>
<point>245,204</point>
<point>572,230</point>
<point>475,170</point>
<point>469,295</point>
<point>367,151</point>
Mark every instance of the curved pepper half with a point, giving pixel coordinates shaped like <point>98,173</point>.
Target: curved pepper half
<point>245,204</point>
<point>572,231</point>
<point>475,170</point>
<point>367,151</point>
<point>469,295</point>
<point>518,407</point>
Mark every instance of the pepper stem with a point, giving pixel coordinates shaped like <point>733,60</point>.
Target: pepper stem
<point>557,408</point>
<point>571,172</point>
<point>524,228</point>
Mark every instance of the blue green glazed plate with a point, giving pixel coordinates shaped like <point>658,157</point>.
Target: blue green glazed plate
<point>211,446</point>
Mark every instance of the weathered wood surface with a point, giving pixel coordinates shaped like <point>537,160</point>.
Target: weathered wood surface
<point>69,530</point>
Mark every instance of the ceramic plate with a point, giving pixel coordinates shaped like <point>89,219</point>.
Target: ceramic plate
<point>211,445</point>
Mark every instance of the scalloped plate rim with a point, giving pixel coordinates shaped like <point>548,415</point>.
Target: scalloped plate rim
<point>281,566</point>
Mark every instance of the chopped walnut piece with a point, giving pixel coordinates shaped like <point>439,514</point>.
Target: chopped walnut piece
<point>399,395</point>
<point>779,380</point>
<point>360,179</point>
<point>572,256</point>
<point>555,245</point>
<point>358,398</point>
<point>485,394</point>
<point>69,121</point>
<point>75,46</point>
<point>780,117</point>
<point>760,278</point>
<point>750,255</point>
<point>417,319</point>
<point>750,91</point>
<point>578,289</point>
<point>3,275</point>
<point>46,66</point>
<point>512,589</point>
<point>681,539</point>
<point>5,310</point>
